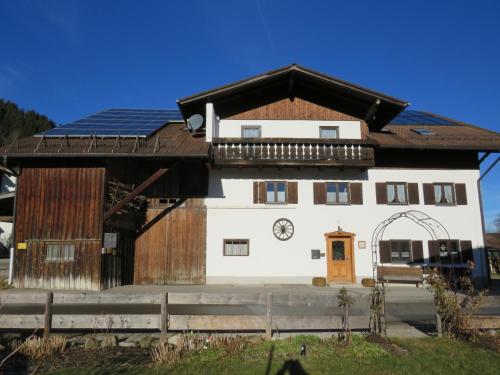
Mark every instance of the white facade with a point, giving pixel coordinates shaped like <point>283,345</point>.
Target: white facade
<point>231,214</point>
<point>7,186</point>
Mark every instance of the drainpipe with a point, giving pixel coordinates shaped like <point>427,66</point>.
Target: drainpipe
<point>485,276</point>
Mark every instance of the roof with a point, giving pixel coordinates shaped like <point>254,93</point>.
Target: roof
<point>492,240</point>
<point>376,108</point>
<point>172,140</point>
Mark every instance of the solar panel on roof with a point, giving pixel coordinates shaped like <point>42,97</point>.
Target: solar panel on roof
<point>114,122</point>
<point>411,117</point>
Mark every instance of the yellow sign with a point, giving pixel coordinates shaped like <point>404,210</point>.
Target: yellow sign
<point>22,245</point>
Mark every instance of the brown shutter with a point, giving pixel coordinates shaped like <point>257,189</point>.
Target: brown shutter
<point>292,192</point>
<point>356,193</point>
<point>255,192</point>
<point>461,194</point>
<point>466,249</point>
<point>385,251</point>
<point>381,192</point>
<point>417,252</point>
<point>319,193</point>
<point>433,251</point>
<point>429,194</point>
<point>262,192</point>
<point>413,197</point>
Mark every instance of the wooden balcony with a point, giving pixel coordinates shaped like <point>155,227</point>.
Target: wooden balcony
<point>292,152</point>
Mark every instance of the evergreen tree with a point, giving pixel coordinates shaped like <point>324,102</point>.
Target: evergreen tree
<point>15,122</point>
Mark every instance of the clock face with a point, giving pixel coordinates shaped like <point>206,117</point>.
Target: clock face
<point>283,229</point>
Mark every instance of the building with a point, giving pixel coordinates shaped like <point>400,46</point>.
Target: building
<point>292,174</point>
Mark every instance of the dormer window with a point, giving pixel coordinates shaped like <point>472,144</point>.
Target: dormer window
<point>422,131</point>
<point>250,131</point>
<point>329,132</point>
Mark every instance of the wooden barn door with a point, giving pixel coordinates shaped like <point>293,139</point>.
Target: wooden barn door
<point>171,248</point>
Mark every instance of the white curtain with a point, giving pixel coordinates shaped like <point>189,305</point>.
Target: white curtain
<point>448,194</point>
<point>437,193</point>
<point>281,192</point>
<point>401,194</point>
<point>391,194</point>
<point>343,196</point>
<point>270,192</point>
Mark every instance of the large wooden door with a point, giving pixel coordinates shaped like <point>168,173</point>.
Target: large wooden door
<point>340,259</point>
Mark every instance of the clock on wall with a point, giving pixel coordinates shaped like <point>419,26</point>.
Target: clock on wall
<point>283,229</point>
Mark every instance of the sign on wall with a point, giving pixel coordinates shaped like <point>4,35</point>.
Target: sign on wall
<point>361,244</point>
<point>110,240</point>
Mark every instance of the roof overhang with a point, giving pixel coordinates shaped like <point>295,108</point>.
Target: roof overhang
<point>375,108</point>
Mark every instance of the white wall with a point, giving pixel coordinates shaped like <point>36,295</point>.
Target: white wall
<point>232,214</point>
<point>287,128</point>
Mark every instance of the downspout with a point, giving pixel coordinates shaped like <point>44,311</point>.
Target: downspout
<point>486,276</point>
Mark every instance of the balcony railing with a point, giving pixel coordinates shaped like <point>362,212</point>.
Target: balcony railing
<point>293,152</point>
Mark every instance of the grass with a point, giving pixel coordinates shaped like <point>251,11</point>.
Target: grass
<point>424,356</point>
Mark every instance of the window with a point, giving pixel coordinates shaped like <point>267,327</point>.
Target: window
<point>275,192</point>
<point>337,193</point>
<point>422,131</point>
<point>329,132</point>
<point>400,251</point>
<point>444,194</point>
<point>56,252</point>
<point>396,193</point>
<point>250,132</point>
<point>236,247</point>
<point>449,252</point>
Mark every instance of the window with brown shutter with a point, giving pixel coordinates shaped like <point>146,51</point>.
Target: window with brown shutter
<point>466,249</point>
<point>381,192</point>
<point>417,252</point>
<point>356,193</point>
<point>319,191</point>
<point>385,251</point>
<point>413,197</point>
<point>428,194</point>
<point>256,192</point>
<point>461,194</point>
<point>292,192</point>
<point>433,251</point>
<point>259,192</point>
<point>444,194</point>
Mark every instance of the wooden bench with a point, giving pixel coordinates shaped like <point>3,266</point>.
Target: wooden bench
<point>401,274</point>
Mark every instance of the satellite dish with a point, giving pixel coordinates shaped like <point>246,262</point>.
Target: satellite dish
<point>195,122</point>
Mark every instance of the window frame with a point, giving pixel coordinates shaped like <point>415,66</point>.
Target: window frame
<point>449,241</point>
<point>252,127</point>
<point>233,240</point>
<point>336,128</point>
<point>442,185</point>
<point>396,194</point>
<point>276,192</point>
<point>60,257</point>
<point>337,193</point>
<point>400,261</point>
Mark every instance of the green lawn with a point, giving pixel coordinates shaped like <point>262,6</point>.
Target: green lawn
<point>424,356</point>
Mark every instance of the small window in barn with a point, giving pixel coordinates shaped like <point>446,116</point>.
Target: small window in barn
<point>329,132</point>
<point>444,194</point>
<point>60,252</point>
<point>337,193</point>
<point>236,247</point>
<point>250,132</point>
<point>400,251</point>
<point>396,193</point>
<point>449,252</point>
<point>422,131</point>
<point>275,192</point>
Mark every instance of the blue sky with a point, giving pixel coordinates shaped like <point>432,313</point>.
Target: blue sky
<point>69,58</point>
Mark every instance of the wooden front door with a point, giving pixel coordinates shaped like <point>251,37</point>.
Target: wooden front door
<point>340,259</point>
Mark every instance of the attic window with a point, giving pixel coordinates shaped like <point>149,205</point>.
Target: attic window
<point>422,131</point>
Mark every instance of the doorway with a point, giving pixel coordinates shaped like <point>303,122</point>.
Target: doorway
<point>340,257</point>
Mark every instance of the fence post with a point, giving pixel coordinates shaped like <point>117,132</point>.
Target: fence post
<point>47,318</point>
<point>164,317</point>
<point>439,325</point>
<point>269,315</point>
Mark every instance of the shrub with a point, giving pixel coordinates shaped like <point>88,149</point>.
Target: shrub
<point>39,348</point>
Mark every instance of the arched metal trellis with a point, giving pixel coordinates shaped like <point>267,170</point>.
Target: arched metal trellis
<point>435,229</point>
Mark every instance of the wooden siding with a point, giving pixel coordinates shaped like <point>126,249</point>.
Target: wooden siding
<point>298,109</point>
<point>171,247</point>
<point>61,205</point>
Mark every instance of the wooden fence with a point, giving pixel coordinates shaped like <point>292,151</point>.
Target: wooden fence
<point>176,312</point>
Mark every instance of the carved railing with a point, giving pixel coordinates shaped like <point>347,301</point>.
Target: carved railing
<point>288,151</point>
